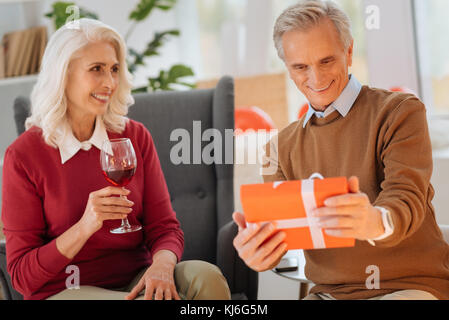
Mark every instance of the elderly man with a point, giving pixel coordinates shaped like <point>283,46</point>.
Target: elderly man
<point>378,138</point>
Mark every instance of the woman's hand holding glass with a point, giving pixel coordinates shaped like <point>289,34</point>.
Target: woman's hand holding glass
<point>105,205</point>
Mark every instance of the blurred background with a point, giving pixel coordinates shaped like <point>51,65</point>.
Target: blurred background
<point>400,45</point>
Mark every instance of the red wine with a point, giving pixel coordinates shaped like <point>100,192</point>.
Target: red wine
<point>120,178</point>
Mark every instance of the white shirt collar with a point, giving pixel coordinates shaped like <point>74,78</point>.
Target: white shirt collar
<point>343,104</point>
<point>69,145</point>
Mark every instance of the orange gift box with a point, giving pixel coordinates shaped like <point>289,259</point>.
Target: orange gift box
<point>290,204</point>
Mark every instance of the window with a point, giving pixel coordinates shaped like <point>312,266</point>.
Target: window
<point>221,30</point>
<point>432,28</point>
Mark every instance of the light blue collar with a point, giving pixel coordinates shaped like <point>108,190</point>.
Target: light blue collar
<point>343,104</point>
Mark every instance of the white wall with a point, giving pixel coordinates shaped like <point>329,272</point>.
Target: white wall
<point>391,48</point>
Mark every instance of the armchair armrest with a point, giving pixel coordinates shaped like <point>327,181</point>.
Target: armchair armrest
<point>241,279</point>
<point>5,280</point>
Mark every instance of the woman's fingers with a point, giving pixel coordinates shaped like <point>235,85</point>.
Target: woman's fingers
<point>175,292</point>
<point>149,290</point>
<point>115,209</point>
<point>159,293</point>
<point>113,216</point>
<point>135,291</point>
<point>167,294</point>
<point>157,289</point>
<point>114,201</point>
<point>109,191</point>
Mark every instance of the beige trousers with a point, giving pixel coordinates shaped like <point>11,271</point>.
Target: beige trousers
<point>195,280</point>
<point>398,295</point>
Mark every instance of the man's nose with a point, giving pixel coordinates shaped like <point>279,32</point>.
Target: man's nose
<point>316,77</point>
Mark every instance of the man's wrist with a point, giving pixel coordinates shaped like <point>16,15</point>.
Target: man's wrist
<point>387,224</point>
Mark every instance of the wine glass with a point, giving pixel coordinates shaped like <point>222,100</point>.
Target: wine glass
<point>119,163</point>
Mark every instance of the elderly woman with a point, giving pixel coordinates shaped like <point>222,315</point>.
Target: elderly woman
<point>58,207</point>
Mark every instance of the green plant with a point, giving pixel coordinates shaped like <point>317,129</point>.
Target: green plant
<point>166,79</point>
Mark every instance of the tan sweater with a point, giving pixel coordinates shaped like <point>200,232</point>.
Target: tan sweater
<point>384,141</point>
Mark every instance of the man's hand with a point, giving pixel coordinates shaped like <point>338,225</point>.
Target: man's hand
<point>350,215</point>
<point>259,246</point>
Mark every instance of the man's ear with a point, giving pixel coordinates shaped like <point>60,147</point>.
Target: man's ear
<point>350,53</point>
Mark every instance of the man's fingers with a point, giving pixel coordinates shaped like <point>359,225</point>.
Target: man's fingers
<point>239,219</point>
<point>354,185</point>
<point>341,233</point>
<point>340,222</point>
<point>254,235</point>
<point>349,199</point>
<point>244,236</point>
<point>267,248</point>
<point>273,259</point>
<point>336,211</point>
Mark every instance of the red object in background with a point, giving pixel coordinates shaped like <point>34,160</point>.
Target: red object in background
<point>253,118</point>
<point>303,110</point>
<point>402,89</point>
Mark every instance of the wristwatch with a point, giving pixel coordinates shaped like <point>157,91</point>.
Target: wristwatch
<point>388,225</point>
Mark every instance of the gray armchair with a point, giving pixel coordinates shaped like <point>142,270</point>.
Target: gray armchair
<point>201,194</point>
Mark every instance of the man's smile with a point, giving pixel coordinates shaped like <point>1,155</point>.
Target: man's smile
<point>322,89</point>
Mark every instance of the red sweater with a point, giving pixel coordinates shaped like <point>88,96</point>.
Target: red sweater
<point>42,198</point>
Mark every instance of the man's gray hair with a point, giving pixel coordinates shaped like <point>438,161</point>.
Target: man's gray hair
<point>307,14</point>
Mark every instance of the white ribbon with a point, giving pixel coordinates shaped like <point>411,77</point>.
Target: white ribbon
<point>309,201</point>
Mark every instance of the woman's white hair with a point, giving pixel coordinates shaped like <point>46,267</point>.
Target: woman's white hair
<point>309,13</point>
<point>48,100</point>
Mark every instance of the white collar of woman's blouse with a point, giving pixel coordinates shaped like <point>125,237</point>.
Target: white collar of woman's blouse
<point>69,145</point>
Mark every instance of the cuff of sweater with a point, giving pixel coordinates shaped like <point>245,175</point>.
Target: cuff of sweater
<point>387,224</point>
<point>167,245</point>
<point>50,260</point>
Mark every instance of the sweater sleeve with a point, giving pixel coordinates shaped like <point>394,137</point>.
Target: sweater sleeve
<point>161,227</point>
<point>407,159</point>
<point>31,259</point>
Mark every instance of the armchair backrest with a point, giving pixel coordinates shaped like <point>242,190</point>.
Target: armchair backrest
<point>202,194</point>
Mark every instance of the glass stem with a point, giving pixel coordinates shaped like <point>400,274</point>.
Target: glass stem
<point>125,223</point>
